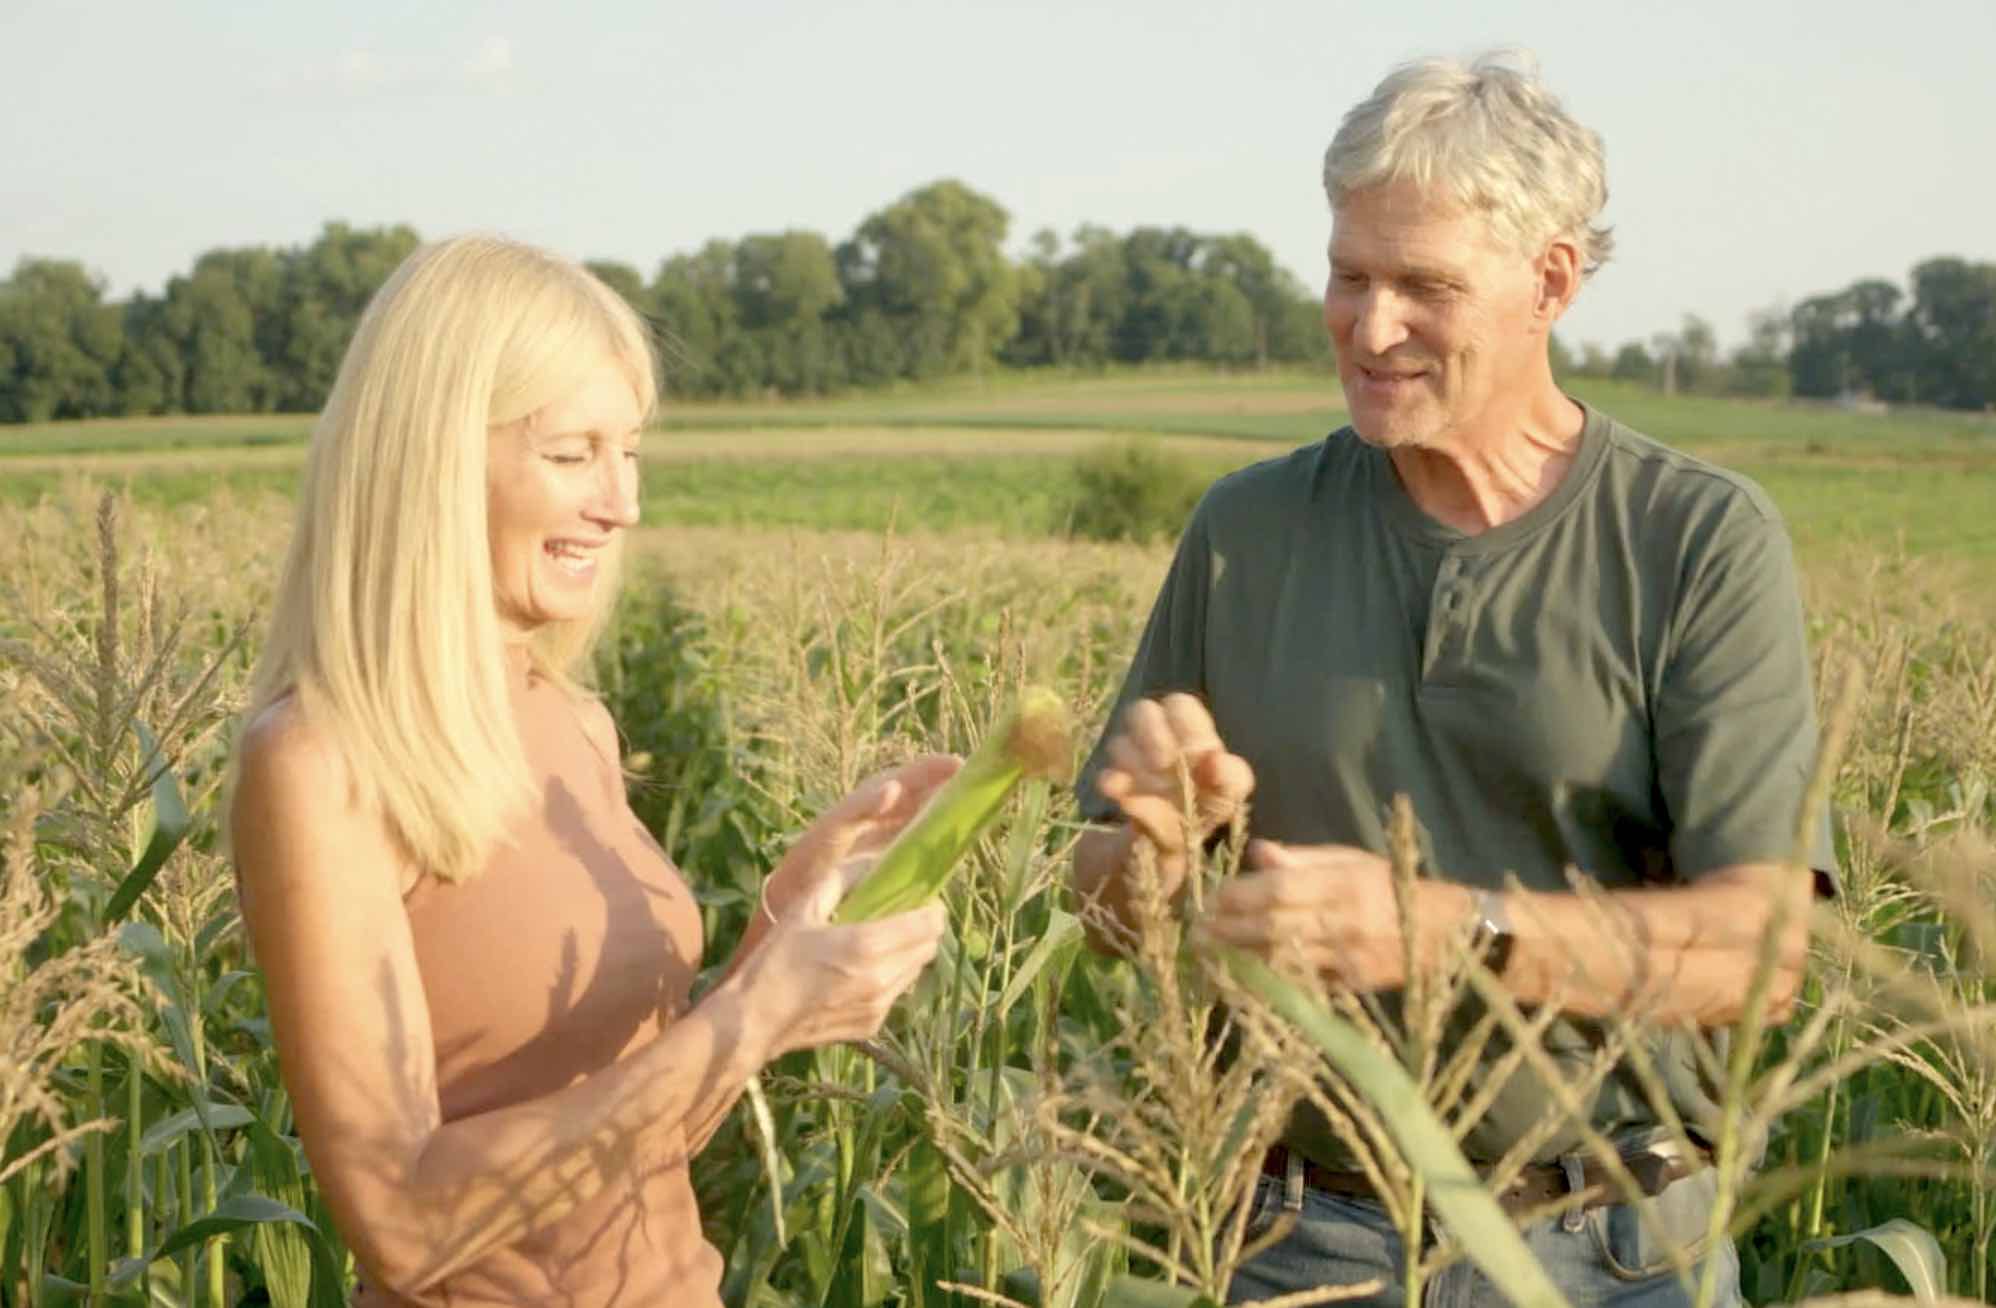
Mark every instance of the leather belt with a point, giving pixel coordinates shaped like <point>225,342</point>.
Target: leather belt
<point>1536,1186</point>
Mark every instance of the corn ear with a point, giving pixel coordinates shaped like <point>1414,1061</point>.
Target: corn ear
<point>1034,739</point>
<point>1453,1188</point>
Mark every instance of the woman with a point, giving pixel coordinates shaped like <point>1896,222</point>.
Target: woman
<point>477,961</point>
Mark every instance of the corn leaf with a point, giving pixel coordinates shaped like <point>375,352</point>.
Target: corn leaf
<point>771,1150</point>
<point>1122,1292</point>
<point>169,827</point>
<point>243,1212</point>
<point>1063,931</point>
<point>219,1117</point>
<point>283,1250</point>
<point>1454,1190</point>
<point>1912,1249</point>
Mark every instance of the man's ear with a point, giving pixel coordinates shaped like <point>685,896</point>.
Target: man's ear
<point>1559,278</point>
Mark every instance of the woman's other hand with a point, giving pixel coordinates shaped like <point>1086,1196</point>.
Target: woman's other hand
<point>842,846</point>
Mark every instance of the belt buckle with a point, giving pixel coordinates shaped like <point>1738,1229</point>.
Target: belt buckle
<point>1575,1168</point>
<point>1292,1182</point>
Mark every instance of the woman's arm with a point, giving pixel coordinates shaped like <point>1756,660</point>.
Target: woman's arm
<point>419,1199</point>
<point>841,844</point>
<point>832,856</point>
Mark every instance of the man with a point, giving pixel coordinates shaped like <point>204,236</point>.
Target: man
<point>1568,645</point>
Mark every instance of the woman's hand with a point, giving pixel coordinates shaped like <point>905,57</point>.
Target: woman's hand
<point>812,982</point>
<point>805,981</point>
<point>842,846</point>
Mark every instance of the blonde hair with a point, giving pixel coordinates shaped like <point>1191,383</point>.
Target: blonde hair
<point>385,625</point>
<point>1491,134</point>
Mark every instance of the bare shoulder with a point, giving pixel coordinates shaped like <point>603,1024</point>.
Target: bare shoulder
<point>283,751</point>
<point>600,726</point>
<point>296,804</point>
<point>599,723</point>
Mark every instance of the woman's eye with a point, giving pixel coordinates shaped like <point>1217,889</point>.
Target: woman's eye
<point>566,460</point>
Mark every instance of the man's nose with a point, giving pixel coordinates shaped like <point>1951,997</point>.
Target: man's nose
<point>1379,325</point>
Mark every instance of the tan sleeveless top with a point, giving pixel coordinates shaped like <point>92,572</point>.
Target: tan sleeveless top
<point>576,944</point>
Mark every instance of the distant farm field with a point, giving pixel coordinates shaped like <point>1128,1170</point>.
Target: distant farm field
<point>993,457</point>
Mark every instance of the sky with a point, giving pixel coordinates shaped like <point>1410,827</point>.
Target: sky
<point>1759,151</point>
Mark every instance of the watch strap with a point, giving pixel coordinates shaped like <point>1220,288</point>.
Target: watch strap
<point>1493,937</point>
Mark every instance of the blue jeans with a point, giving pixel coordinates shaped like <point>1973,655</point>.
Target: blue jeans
<point>1605,1256</point>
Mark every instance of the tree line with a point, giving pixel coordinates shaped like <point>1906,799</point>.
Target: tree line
<point>1933,345</point>
<point>922,289</point>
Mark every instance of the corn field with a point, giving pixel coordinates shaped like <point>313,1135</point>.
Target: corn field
<point>1039,1123</point>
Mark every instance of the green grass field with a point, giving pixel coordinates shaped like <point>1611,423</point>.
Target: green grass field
<point>991,456</point>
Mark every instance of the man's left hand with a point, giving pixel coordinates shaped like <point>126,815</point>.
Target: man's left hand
<point>1328,907</point>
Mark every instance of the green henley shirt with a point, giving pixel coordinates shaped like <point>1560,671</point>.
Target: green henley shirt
<point>1616,681</point>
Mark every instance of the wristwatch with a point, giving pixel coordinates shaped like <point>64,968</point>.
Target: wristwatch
<point>1492,939</point>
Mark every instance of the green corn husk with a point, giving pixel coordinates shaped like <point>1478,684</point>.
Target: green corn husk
<point>1033,740</point>
<point>1454,1190</point>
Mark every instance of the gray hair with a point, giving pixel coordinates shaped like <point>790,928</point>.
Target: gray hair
<point>1491,133</point>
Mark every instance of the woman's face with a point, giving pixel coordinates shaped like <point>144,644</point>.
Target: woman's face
<point>560,484</point>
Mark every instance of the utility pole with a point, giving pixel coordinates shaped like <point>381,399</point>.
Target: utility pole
<point>1666,360</point>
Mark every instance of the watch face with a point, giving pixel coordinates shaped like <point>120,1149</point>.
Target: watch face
<point>1492,937</point>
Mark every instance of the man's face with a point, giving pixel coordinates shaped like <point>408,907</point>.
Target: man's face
<point>1435,322</point>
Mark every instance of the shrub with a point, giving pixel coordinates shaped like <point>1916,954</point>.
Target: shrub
<point>1133,490</point>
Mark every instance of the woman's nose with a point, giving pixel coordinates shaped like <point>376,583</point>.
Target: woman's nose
<point>616,500</point>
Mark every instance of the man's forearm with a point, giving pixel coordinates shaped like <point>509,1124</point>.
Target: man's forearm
<point>1675,954</point>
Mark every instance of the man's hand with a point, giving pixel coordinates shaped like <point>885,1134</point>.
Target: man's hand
<point>1665,954</point>
<point>1162,747</point>
<point>1328,907</point>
